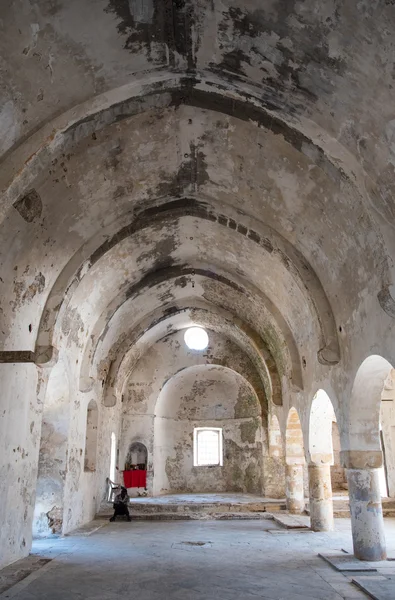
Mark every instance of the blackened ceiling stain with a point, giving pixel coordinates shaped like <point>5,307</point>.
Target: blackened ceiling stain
<point>191,175</point>
<point>180,273</point>
<point>301,46</point>
<point>163,28</point>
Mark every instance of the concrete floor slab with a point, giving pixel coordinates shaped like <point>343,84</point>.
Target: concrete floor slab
<point>347,562</point>
<point>197,560</point>
<point>378,588</point>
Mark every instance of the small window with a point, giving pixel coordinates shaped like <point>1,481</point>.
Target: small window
<point>113,456</point>
<point>207,446</point>
<point>92,419</point>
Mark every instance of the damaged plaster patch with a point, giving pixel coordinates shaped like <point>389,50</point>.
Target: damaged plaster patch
<point>55,519</point>
<point>24,294</point>
<point>72,324</point>
<point>29,206</point>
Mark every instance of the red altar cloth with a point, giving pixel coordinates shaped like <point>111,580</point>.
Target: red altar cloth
<point>136,478</point>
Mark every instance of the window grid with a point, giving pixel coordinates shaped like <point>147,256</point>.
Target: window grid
<point>207,446</point>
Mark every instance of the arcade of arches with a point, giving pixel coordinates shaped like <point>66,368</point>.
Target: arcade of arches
<point>214,163</point>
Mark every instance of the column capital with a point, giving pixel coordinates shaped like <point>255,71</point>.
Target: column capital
<point>319,460</point>
<point>361,459</point>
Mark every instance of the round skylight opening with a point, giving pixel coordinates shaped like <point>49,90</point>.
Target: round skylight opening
<point>196,338</point>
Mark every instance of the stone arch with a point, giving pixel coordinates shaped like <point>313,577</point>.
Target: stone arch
<point>362,456</point>
<point>322,415</point>
<point>92,423</point>
<point>266,238</point>
<point>152,329</point>
<point>361,446</point>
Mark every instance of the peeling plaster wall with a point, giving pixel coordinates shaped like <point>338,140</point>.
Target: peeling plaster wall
<point>20,426</point>
<point>208,396</point>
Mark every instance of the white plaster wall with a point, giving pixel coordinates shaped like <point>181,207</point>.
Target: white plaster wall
<point>20,425</point>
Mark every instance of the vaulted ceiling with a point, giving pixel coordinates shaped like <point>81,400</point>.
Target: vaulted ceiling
<point>167,162</point>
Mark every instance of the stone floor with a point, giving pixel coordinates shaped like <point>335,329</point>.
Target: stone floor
<point>198,560</point>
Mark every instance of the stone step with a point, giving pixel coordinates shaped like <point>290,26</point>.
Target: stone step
<point>151,508</point>
<point>196,516</point>
<point>289,521</point>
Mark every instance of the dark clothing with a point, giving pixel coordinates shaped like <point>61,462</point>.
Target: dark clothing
<point>120,509</point>
<point>121,505</point>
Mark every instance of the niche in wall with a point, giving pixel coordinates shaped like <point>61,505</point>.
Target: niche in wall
<point>137,457</point>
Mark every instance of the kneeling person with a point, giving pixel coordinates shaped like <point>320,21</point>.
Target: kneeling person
<point>120,505</point>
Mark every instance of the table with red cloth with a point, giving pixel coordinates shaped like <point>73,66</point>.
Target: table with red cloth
<point>135,479</point>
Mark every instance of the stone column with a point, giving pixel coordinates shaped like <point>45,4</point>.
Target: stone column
<point>320,492</point>
<point>294,488</point>
<point>365,504</point>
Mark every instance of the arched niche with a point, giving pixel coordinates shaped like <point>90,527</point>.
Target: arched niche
<point>137,456</point>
